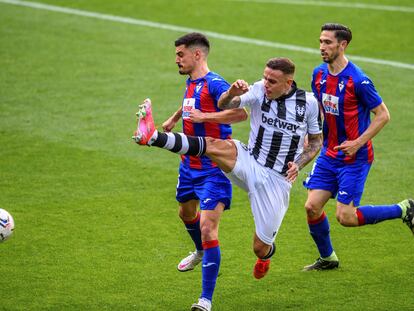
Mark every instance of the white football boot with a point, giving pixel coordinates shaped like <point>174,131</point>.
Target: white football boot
<point>189,262</point>
<point>203,304</point>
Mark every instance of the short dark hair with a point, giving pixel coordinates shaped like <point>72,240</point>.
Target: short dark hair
<point>194,39</point>
<point>283,64</point>
<point>342,32</point>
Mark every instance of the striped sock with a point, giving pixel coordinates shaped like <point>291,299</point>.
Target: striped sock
<point>210,268</point>
<point>179,143</point>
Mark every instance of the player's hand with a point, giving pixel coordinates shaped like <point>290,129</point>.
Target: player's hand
<point>239,87</point>
<point>292,172</point>
<point>196,116</point>
<point>348,147</point>
<point>168,125</point>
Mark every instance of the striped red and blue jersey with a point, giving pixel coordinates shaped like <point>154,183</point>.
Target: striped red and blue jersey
<point>346,100</point>
<point>203,94</point>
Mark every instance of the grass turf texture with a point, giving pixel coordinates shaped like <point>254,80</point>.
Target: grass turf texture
<point>96,219</point>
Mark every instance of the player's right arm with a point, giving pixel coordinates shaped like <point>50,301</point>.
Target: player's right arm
<point>231,98</point>
<point>170,123</point>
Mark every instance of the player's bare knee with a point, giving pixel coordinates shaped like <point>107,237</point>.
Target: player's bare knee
<point>346,215</point>
<point>312,210</point>
<point>210,140</point>
<point>212,145</point>
<point>345,222</point>
<point>216,146</point>
<point>208,231</point>
<point>187,215</point>
<point>345,219</point>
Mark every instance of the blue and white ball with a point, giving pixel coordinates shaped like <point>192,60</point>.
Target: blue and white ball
<point>6,225</point>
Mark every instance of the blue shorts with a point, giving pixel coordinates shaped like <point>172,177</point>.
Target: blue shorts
<point>209,186</point>
<point>342,179</point>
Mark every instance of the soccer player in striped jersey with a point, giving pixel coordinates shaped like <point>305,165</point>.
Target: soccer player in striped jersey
<point>200,182</point>
<point>347,98</point>
<point>281,116</point>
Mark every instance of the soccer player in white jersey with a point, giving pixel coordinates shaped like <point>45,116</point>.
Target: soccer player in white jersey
<point>281,116</point>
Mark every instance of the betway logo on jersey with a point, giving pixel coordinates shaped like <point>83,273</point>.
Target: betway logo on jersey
<point>279,123</point>
<point>330,104</point>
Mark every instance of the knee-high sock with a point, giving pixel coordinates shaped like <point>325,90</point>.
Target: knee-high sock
<point>319,230</point>
<point>180,143</point>
<point>193,229</point>
<point>210,267</point>
<point>372,214</point>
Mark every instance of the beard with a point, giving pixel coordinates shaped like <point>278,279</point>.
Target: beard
<point>330,59</point>
<point>183,71</point>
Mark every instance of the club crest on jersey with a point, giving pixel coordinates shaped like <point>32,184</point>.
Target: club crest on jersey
<point>198,87</point>
<point>300,110</point>
<point>341,86</point>
<point>330,104</point>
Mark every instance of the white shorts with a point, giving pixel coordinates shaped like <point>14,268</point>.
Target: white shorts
<point>268,192</point>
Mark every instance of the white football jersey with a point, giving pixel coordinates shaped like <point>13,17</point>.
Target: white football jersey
<point>278,127</point>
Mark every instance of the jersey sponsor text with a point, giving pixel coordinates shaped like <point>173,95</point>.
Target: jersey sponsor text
<point>276,122</point>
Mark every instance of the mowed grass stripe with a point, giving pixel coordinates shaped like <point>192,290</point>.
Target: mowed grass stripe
<point>227,37</point>
<point>366,6</point>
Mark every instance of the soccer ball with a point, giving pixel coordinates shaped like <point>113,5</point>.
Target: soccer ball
<point>6,225</point>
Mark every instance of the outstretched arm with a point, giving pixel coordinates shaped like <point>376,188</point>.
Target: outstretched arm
<point>169,124</point>
<point>309,152</point>
<point>382,116</point>
<point>231,98</point>
<point>225,117</point>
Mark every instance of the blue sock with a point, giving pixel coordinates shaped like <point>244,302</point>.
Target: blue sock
<point>193,229</point>
<point>319,230</point>
<point>210,267</point>
<point>372,214</point>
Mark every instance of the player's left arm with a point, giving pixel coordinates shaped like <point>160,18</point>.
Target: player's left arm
<point>224,117</point>
<point>310,150</point>
<point>382,116</point>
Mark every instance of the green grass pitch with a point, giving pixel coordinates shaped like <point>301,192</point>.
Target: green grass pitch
<point>96,217</point>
